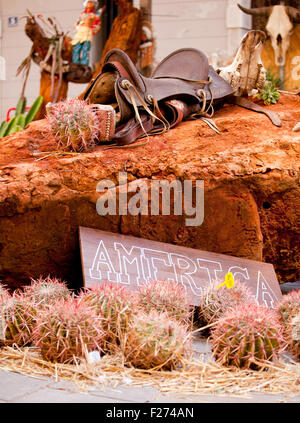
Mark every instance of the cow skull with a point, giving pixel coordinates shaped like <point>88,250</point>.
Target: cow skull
<point>279,27</point>
<point>246,74</point>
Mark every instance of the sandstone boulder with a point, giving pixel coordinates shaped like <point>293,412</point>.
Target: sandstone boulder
<point>252,200</point>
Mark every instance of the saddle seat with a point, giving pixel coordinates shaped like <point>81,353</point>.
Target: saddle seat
<point>182,86</point>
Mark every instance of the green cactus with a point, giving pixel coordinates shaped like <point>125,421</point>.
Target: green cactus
<point>33,110</point>
<point>17,319</point>
<point>10,126</point>
<point>45,291</point>
<point>21,106</point>
<point>67,330</point>
<point>247,336</point>
<point>115,304</point>
<point>14,129</point>
<point>165,297</point>
<point>20,120</point>
<point>155,341</point>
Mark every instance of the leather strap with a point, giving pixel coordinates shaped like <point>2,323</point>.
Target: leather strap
<point>240,101</point>
<point>130,131</point>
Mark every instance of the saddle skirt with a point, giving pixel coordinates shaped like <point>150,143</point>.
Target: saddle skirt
<point>182,86</point>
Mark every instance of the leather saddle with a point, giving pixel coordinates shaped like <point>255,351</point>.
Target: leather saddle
<point>183,86</point>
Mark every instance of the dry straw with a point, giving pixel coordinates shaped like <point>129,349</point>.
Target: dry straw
<point>195,378</point>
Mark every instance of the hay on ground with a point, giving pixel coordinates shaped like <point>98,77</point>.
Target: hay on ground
<point>197,377</point>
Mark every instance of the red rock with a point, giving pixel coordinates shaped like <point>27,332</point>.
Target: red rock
<point>251,174</point>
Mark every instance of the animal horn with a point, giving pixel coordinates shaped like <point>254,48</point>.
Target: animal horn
<point>258,11</point>
<point>293,13</point>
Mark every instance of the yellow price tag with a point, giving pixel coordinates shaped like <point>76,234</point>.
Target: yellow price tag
<point>229,281</point>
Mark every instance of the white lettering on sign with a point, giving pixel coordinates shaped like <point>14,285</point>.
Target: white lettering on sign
<point>184,268</point>
<point>236,270</point>
<point>211,267</point>
<point>136,266</point>
<point>264,293</point>
<point>102,267</point>
<point>130,259</point>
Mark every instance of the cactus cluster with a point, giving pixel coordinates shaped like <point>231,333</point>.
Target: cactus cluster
<point>116,305</point>
<point>74,123</point>
<point>67,331</point>
<point>165,297</point>
<point>17,321</point>
<point>216,301</point>
<point>155,341</point>
<point>45,291</point>
<point>21,119</point>
<point>246,336</point>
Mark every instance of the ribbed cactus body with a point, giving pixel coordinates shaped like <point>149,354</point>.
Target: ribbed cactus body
<point>116,305</point>
<point>289,306</point>
<point>4,294</point>
<point>245,335</point>
<point>165,297</point>
<point>74,123</point>
<point>18,317</point>
<point>67,331</point>
<point>45,291</point>
<point>294,335</point>
<point>154,340</point>
<point>216,301</point>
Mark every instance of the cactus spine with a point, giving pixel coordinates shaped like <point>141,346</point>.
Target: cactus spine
<point>165,297</point>
<point>67,330</point>
<point>154,341</point>
<point>289,306</point>
<point>17,320</point>
<point>115,304</point>
<point>45,291</point>
<point>215,302</point>
<point>246,336</point>
<point>74,123</point>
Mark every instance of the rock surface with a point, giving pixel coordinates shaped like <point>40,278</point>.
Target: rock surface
<point>252,200</point>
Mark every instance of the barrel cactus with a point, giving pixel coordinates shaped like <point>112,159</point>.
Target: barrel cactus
<point>74,123</point>
<point>289,306</point>
<point>293,337</point>
<point>4,294</point>
<point>247,336</point>
<point>116,305</point>
<point>17,320</point>
<point>155,341</point>
<point>216,301</point>
<point>67,330</point>
<point>45,291</point>
<point>165,297</point>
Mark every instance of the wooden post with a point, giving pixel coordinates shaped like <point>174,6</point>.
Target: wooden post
<point>125,34</point>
